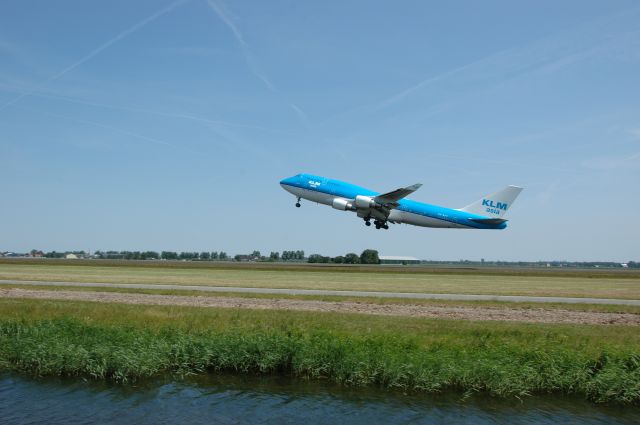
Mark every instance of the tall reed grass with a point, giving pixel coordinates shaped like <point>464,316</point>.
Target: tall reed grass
<point>125,353</point>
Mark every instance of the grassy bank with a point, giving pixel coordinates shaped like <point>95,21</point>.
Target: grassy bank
<point>124,343</point>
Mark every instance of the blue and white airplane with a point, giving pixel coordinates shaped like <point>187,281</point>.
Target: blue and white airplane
<point>391,207</point>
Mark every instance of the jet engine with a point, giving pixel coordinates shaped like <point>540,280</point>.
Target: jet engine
<point>365,202</point>
<point>342,204</point>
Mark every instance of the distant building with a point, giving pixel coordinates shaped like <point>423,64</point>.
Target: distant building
<point>71,257</point>
<point>396,259</point>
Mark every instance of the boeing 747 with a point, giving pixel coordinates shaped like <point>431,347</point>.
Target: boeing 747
<point>392,207</point>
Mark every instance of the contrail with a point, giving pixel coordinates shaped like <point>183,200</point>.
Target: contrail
<point>178,115</point>
<point>303,117</point>
<point>237,34</point>
<point>108,127</point>
<point>219,10</point>
<point>232,26</point>
<point>95,52</point>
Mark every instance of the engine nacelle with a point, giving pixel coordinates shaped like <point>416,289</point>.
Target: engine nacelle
<point>365,202</point>
<point>342,204</point>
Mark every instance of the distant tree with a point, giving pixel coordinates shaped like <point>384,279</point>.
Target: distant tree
<point>169,255</point>
<point>237,257</point>
<point>223,255</point>
<point>214,255</point>
<point>338,260</point>
<point>256,254</point>
<point>299,255</point>
<point>317,258</point>
<point>351,258</point>
<point>274,256</point>
<point>369,256</point>
<point>149,255</point>
<point>205,256</point>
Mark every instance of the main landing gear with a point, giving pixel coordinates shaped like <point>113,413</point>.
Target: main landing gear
<point>298,203</point>
<point>379,224</point>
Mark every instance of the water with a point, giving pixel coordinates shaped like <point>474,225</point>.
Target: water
<point>251,400</point>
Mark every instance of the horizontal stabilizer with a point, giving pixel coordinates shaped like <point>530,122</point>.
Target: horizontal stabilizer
<point>489,220</point>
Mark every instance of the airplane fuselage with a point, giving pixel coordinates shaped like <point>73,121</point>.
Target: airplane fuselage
<point>342,196</point>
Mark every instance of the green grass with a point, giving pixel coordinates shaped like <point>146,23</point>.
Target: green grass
<point>125,343</point>
<point>587,284</point>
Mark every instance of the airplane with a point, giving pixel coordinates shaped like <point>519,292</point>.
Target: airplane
<point>391,207</point>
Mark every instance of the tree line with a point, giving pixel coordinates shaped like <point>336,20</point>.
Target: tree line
<point>174,255</point>
<point>368,256</point>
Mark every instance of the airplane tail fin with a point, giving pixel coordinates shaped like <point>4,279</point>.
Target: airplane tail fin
<point>496,204</point>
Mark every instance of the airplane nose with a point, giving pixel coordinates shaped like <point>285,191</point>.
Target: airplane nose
<point>287,181</point>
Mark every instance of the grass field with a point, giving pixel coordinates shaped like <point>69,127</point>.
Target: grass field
<point>494,282</point>
<point>127,342</point>
<point>123,343</point>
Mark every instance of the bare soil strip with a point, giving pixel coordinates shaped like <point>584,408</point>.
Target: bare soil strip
<point>411,310</point>
<point>339,293</point>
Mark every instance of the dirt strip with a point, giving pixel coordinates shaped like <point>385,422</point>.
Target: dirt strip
<point>537,315</point>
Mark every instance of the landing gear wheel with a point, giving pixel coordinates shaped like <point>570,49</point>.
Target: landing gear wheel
<point>377,226</point>
<point>367,223</point>
<point>385,226</point>
<point>297,204</point>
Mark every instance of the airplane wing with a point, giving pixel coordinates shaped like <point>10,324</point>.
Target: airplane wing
<point>391,199</point>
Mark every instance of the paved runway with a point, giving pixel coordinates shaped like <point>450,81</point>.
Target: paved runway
<point>408,295</point>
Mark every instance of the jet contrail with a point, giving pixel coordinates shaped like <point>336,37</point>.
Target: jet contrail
<point>237,34</point>
<point>109,127</point>
<point>95,52</point>
<point>178,115</point>
<point>219,10</point>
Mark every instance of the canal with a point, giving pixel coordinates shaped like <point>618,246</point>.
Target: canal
<point>275,400</point>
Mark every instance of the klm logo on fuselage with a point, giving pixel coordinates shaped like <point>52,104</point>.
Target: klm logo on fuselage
<point>498,205</point>
<point>314,183</point>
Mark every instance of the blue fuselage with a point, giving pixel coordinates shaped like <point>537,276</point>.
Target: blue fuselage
<point>324,190</point>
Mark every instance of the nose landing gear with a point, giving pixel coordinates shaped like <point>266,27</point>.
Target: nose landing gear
<point>298,203</point>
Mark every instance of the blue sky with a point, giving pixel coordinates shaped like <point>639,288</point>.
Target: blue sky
<point>168,125</point>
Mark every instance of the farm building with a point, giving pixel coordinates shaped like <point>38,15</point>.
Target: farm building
<point>396,259</point>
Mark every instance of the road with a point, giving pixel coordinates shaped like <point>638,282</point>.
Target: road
<point>274,291</point>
